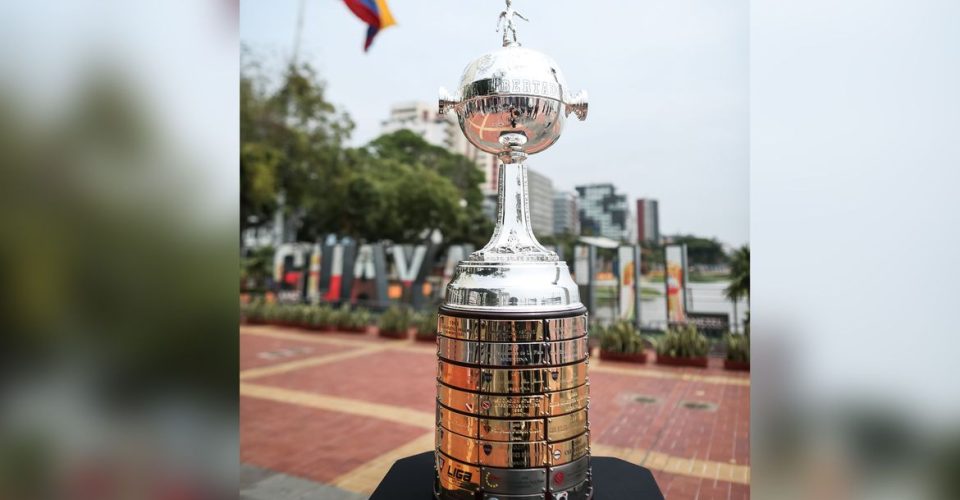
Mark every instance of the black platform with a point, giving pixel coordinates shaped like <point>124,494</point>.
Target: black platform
<point>411,478</point>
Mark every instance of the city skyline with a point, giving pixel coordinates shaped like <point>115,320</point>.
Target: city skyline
<point>668,117</point>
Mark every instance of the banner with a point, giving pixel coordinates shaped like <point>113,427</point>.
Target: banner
<point>628,267</point>
<point>675,282</point>
<point>581,264</point>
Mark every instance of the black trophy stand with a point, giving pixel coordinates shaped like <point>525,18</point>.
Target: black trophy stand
<point>411,478</point>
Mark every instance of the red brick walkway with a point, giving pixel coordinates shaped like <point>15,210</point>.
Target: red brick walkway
<point>339,409</point>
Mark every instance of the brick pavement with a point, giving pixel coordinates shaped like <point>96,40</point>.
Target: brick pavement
<point>335,410</point>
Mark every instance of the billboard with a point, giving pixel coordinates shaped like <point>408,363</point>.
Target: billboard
<point>628,274</point>
<point>675,281</point>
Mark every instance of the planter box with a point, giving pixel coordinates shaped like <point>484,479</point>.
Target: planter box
<point>392,334</point>
<point>425,337</point>
<point>671,361</point>
<point>351,329</point>
<point>635,357</point>
<point>736,365</point>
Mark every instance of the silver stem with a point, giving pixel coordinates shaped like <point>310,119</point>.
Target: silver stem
<point>513,237</point>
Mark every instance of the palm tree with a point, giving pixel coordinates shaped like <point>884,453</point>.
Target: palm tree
<point>739,275</point>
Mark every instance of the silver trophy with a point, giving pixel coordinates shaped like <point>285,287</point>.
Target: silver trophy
<point>512,387</point>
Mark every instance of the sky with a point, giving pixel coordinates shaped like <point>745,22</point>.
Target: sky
<point>668,82</point>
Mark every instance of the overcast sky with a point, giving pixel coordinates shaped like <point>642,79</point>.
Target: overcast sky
<point>668,85</point>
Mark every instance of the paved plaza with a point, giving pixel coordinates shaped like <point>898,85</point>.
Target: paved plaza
<point>325,415</point>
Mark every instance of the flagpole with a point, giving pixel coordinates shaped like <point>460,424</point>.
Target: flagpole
<point>297,32</point>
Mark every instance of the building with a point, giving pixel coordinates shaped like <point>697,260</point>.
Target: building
<point>566,213</point>
<point>540,188</point>
<point>603,212</point>
<point>648,220</point>
<point>440,130</point>
<point>540,191</point>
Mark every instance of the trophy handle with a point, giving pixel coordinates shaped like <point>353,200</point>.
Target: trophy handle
<point>447,101</point>
<point>577,105</point>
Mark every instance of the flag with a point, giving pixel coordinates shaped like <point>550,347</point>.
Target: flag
<point>373,12</point>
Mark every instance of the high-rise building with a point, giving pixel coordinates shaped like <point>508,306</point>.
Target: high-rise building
<point>439,130</point>
<point>566,213</point>
<point>603,212</point>
<point>648,220</point>
<point>540,188</point>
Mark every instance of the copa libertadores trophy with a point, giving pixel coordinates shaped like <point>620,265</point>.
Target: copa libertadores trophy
<point>512,387</point>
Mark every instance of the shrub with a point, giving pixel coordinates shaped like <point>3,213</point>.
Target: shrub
<point>291,314</point>
<point>319,316</point>
<point>426,323</point>
<point>337,317</point>
<point>271,313</point>
<point>683,342</point>
<point>394,319</point>
<point>738,347</point>
<point>622,337</point>
<point>301,314</point>
<point>354,319</point>
<point>253,311</point>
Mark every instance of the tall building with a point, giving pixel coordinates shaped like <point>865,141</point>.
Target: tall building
<point>440,130</point>
<point>648,220</point>
<point>566,213</point>
<point>540,188</point>
<point>603,212</point>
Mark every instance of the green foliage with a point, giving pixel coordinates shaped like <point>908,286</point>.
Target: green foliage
<point>622,337</point>
<point>291,141</point>
<point>395,319</point>
<point>706,251</point>
<point>683,342</point>
<point>353,318</point>
<point>739,274</point>
<point>395,188</point>
<point>287,313</point>
<point>738,347</point>
<point>255,268</point>
<point>253,310</point>
<point>426,323</point>
<point>337,317</point>
<point>319,316</point>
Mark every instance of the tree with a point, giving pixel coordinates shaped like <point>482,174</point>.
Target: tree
<point>256,268</point>
<point>397,187</point>
<point>289,136</point>
<point>438,187</point>
<point>739,274</point>
<point>702,251</point>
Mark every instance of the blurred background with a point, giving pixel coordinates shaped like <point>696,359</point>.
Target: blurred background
<point>118,123</point>
<point>853,157</point>
<point>121,249</point>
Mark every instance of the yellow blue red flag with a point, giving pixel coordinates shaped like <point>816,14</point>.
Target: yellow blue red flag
<point>373,12</point>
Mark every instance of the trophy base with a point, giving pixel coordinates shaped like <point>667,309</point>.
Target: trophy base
<point>583,491</point>
<point>512,403</point>
<point>413,478</point>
